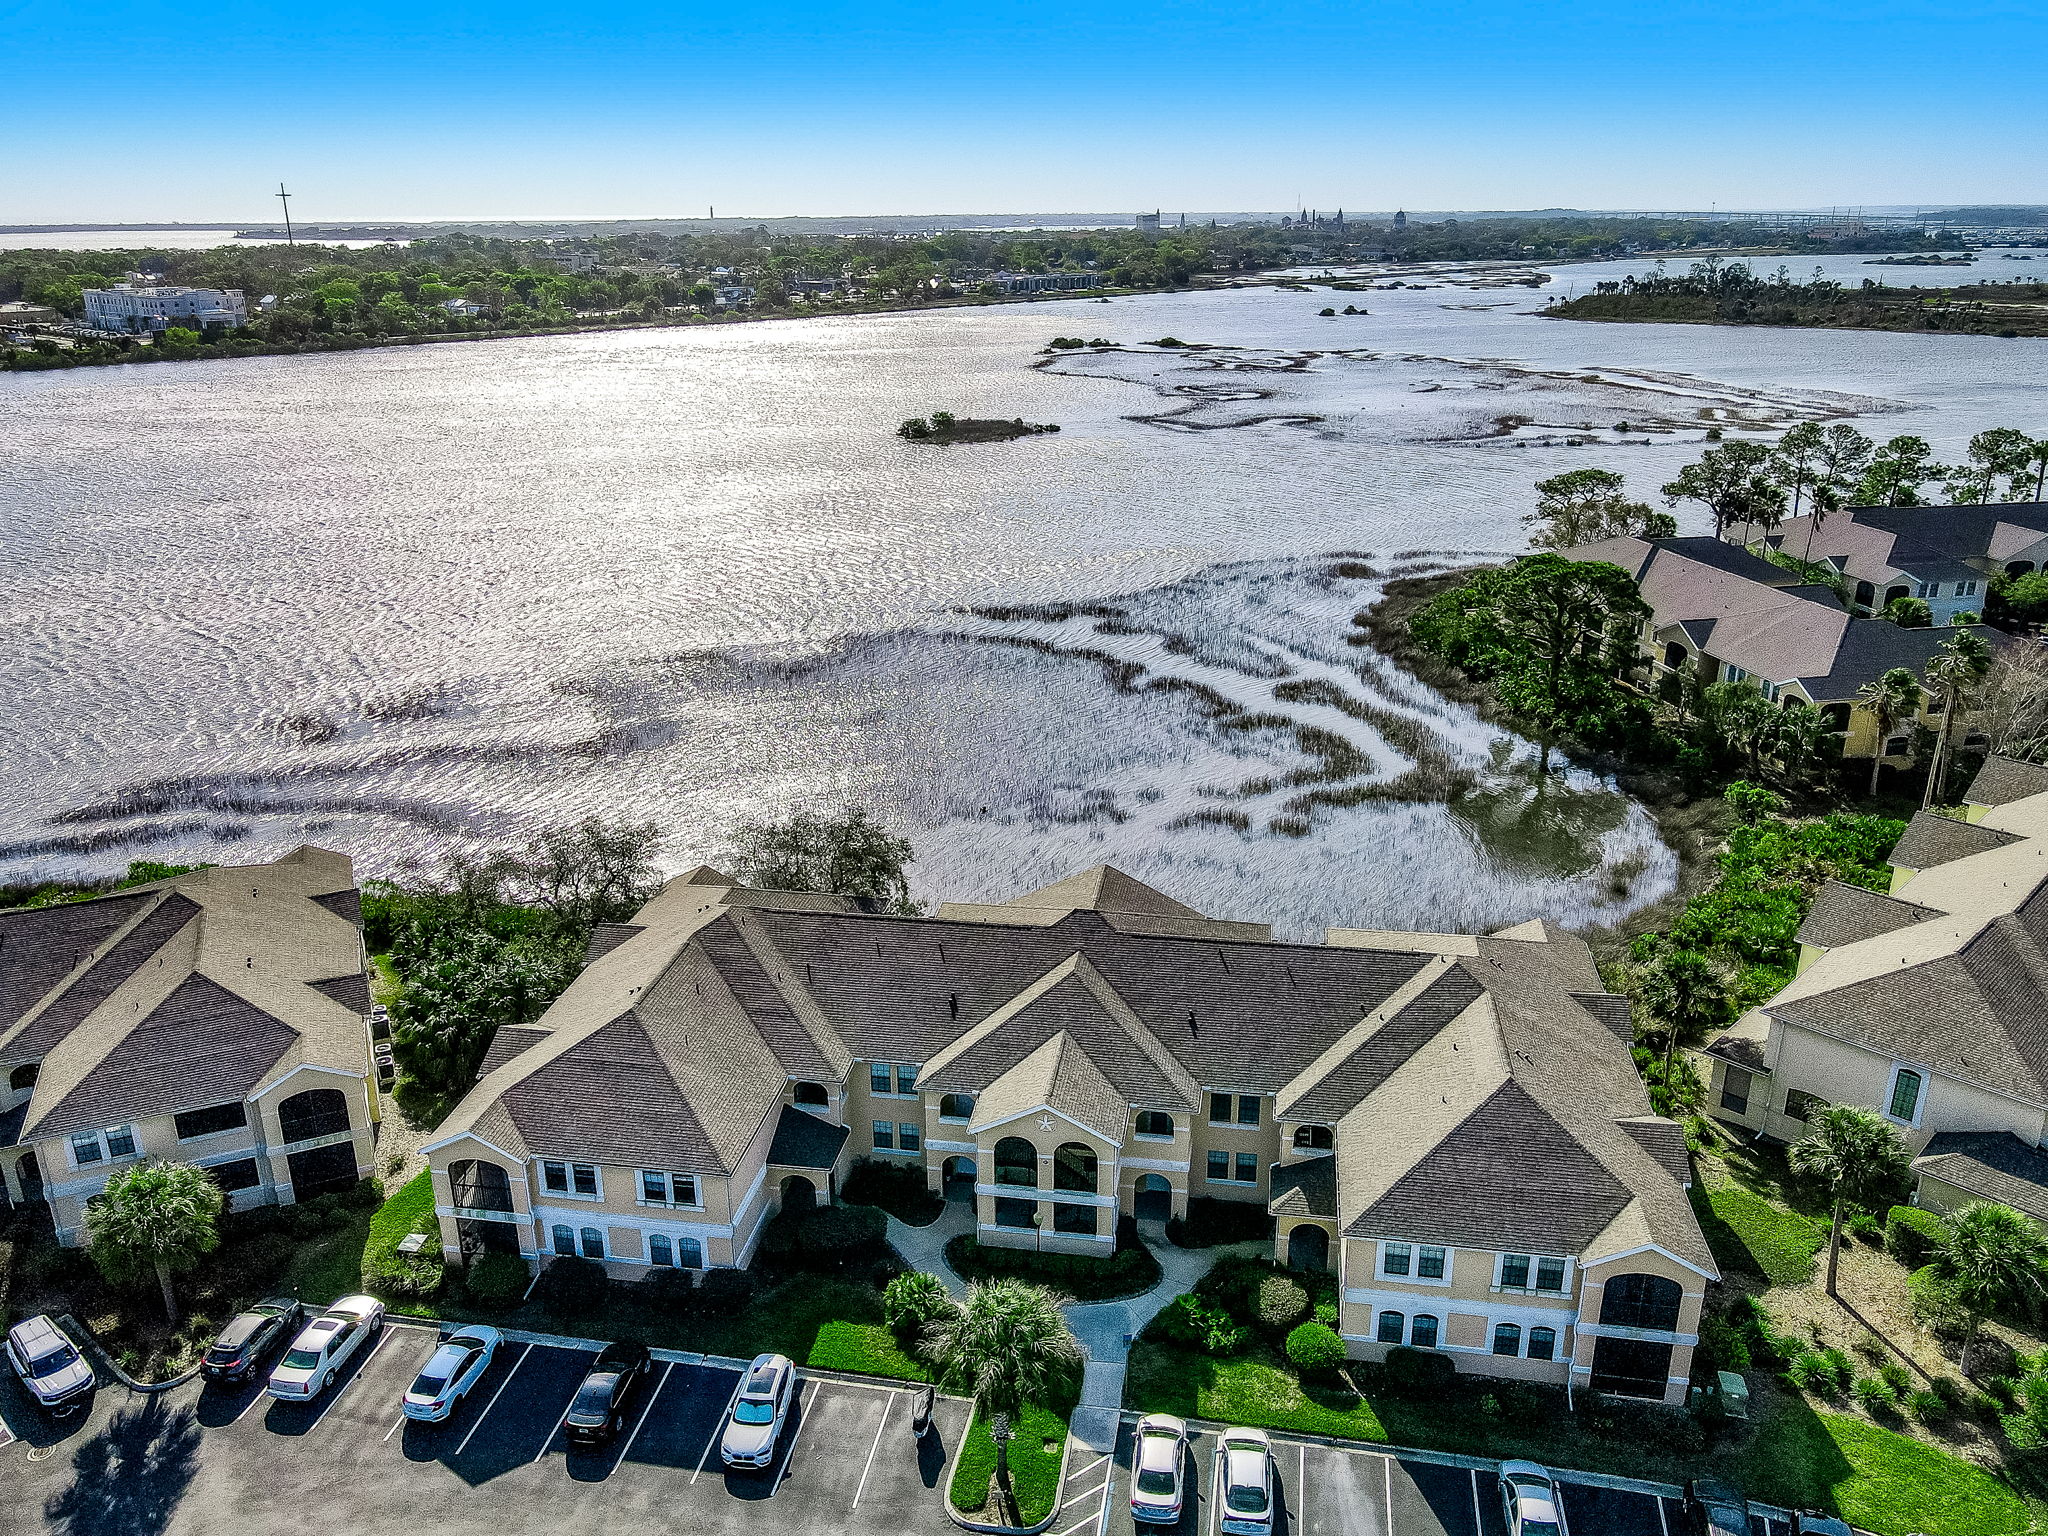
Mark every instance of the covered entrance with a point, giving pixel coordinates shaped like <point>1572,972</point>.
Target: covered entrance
<point>1308,1247</point>
<point>956,1178</point>
<point>1152,1198</point>
<point>1631,1367</point>
<point>799,1193</point>
<point>322,1170</point>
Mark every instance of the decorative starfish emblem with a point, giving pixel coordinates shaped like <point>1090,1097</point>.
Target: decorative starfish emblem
<point>1045,1122</point>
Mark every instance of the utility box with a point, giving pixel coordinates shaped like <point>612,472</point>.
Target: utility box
<point>1734,1395</point>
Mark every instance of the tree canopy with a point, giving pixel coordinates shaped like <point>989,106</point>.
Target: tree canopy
<point>848,854</point>
<point>154,1220</point>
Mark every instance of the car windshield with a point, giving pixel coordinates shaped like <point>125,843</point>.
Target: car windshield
<point>1246,1499</point>
<point>428,1384</point>
<point>1151,1481</point>
<point>753,1410</point>
<point>1540,1528</point>
<point>301,1359</point>
<point>54,1359</point>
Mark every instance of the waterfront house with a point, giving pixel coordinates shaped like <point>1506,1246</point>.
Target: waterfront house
<point>1720,613</point>
<point>150,307</point>
<point>218,1018</point>
<point>1946,556</point>
<point>1924,1003</point>
<point>1453,1123</point>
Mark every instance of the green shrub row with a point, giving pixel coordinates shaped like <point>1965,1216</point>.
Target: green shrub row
<point>1130,1271</point>
<point>1910,1234</point>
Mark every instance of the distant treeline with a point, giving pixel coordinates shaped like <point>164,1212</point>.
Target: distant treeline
<point>1715,292</point>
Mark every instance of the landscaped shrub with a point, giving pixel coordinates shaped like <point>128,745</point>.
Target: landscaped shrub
<point>1873,1395</point>
<point>497,1279</point>
<point>670,1290</point>
<point>1130,1270</point>
<point>1414,1372</point>
<point>780,1236</point>
<point>1212,1222</point>
<point>1725,1346</point>
<point>913,1299</point>
<point>898,1188</point>
<point>264,1258</point>
<point>1928,1407</point>
<point>835,1235</point>
<point>1281,1304</point>
<point>404,1276</point>
<point>1935,1305</point>
<point>1897,1377</point>
<point>722,1292</point>
<point>1193,1323</point>
<point>1910,1234</point>
<point>1865,1228</point>
<point>1315,1348</point>
<point>1842,1366</point>
<point>571,1286</point>
<point>1326,1313</point>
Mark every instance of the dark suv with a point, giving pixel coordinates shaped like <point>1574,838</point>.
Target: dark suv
<point>49,1365</point>
<point>1713,1508</point>
<point>248,1341</point>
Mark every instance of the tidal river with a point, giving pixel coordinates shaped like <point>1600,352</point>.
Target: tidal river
<point>400,601</point>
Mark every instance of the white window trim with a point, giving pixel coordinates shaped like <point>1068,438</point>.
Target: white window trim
<point>1500,1261</point>
<point>1891,1087</point>
<point>1233,1123</point>
<point>1154,1136</point>
<point>1232,1178</point>
<point>571,1193</point>
<point>1380,1271</point>
<point>107,1157</point>
<point>895,1076</point>
<point>668,1183</point>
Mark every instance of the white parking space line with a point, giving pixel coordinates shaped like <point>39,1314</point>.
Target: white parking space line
<point>647,1412</point>
<point>1662,1524</point>
<point>870,1466</point>
<point>1478,1525</point>
<point>558,1426</point>
<point>524,1351</point>
<point>1108,1494</point>
<point>262,1396</point>
<point>723,1420</point>
<point>1301,1489</point>
<point>1387,1464</point>
<point>396,1426</point>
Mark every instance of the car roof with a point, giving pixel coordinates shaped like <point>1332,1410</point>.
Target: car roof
<point>617,1353</point>
<point>242,1328</point>
<point>37,1330</point>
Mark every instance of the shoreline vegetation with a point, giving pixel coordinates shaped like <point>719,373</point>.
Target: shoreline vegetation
<point>1717,292</point>
<point>461,287</point>
<point>943,427</point>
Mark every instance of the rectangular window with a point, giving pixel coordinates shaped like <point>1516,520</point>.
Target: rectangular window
<point>1247,1109</point>
<point>1928,589</point>
<point>1801,1105</point>
<point>906,1079</point>
<point>1078,1220</point>
<point>1905,1095</point>
<point>1247,1168</point>
<point>121,1142</point>
<point>1016,1213</point>
<point>569,1179</point>
<point>1550,1274</point>
<point>1219,1167</point>
<point>195,1123</point>
<point>1395,1258</point>
<point>240,1174</point>
<point>1966,589</point>
<point>1514,1271</point>
<point>1542,1343</point>
<point>1429,1264</point>
<point>885,1135</point>
<point>1736,675</point>
<point>654,1187</point>
<point>660,1188</point>
<point>1220,1107</point>
<point>908,1137</point>
<point>85,1148</point>
<point>880,1076</point>
<point>1735,1091</point>
<point>682,1189</point>
<point>584,1178</point>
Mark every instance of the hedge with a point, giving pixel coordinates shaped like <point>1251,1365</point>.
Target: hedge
<point>1910,1234</point>
<point>1130,1272</point>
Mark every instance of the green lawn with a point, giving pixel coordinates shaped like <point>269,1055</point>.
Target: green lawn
<point>1749,1233</point>
<point>1884,1482</point>
<point>1035,1454</point>
<point>330,1264</point>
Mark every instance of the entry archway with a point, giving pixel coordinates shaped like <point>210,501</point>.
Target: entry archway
<point>1308,1247</point>
<point>799,1193</point>
<point>1152,1198</point>
<point>956,1178</point>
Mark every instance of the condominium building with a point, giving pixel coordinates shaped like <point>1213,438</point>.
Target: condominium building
<point>144,307</point>
<point>1453,1123</point>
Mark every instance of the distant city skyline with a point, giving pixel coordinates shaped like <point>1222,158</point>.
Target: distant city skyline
<point>836,109</point>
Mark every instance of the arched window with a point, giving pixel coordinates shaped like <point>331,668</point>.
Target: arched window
<point>1152,1122</point>
<point>1392,1324</point>
<point>1073,1168</point>
<point>1905,1095</point>
<point>1866,594</point>
<point>565,1240</point>
<point>956,1106</point>
<point>689,1253</point>
<point>593,1243</point>
<point>316,1112</point>
<point>23,1077</point>
<point>1542,1343</point>
<point>480,1186</point>
<point>1639,1301</point>
<point>1313,1138</point>
<point>659,1251</point>
<point>1507,1339</point>
<point>2018,567</point>
<point>1016,1162</point>
<point>1422,1331</point>
<point>1674,656</point>
<point>812,1095</point>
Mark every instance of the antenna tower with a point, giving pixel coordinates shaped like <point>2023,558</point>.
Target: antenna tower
<point>285,198</point>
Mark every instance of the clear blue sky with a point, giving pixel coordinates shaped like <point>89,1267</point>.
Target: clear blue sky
<point>371,109</point>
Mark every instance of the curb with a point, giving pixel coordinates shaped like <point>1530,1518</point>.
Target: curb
<point>85,1337</point>
<point>968,1524</point>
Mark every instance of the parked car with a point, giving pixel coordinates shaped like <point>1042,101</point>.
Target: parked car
<point>1713,1508</point>
<point>759,1410</point>
<point>1811,1522</point>
<point>1528,1495</point>
<point>608,1390</point>
<point>1156,1485</point>
<point>249,1338</point>
<point>324,1346</point>
<point>49,1365</point>
<point>1245,1476</point>
<point>450,1372</point>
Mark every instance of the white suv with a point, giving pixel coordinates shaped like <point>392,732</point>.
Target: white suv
<point>324,1346</point>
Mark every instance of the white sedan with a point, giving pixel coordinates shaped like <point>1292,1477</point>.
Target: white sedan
<point>1156,1488</point>
<point>1244,1478</point>
<point>1529,1497</point>
<point>324,1346</point>
<point>450,1372</point>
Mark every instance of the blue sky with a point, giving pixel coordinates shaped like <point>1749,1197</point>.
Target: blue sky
<point>370,109</point>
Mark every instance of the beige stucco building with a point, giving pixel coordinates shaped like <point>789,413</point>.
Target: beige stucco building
<point>217,1018</point>
<point>1451,1122</point>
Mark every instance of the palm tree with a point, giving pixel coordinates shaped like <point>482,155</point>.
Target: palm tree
<point>1686,996</point>
<point>1991,1258</point>
<point>1854,1152</point>
<point>1006,1345</point>
<point>1892,700</point>
<point>1957,671</point>
<point>156,1218</point>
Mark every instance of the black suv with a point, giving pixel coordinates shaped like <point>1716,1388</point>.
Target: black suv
<point>608,1390</point>
<point>250,1338</point>
<point>1713,1508</point>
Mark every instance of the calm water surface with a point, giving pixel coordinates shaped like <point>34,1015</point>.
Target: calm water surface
<point>400,600</point>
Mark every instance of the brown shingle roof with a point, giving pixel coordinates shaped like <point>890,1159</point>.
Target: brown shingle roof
<point>1842,914</point>
<point>37,1036</point>
<point>1304,1188</point>
<point>40,946</point>
<point>2003,780</point>
<point>1992,1165</point>
<point>1930,841</point>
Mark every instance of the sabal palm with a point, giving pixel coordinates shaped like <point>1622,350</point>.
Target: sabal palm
<point>1892,700</point>
<point>1854,1152</point>
<point>1956,673</point>
<point>155,1218</point>
<point>1005,1346</point>
<point>1991,1257</point>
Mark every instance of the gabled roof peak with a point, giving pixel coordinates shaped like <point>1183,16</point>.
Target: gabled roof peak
<point>1105,888</point>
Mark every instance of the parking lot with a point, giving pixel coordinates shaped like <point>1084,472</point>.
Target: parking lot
<point>234,1463</point>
